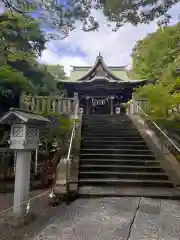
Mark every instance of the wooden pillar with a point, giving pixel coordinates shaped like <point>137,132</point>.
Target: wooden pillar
<point>87,105</point>
<point>111,105</point>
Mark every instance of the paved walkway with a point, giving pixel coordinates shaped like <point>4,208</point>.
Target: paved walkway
<point>115,218</point>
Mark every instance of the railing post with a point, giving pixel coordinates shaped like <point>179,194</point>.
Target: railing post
<point>69,106</point>
<point>59,105</point>
<point>33,104</point>
<point>49,104</point>
<point>54,105</point>
<point>64,105</point>
<point>44,101</point>
<point>37,104</point>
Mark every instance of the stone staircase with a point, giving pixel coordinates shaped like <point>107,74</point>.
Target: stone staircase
<point>116,161</point>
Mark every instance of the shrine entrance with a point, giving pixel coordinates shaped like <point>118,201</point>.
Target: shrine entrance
<point>100,106</point>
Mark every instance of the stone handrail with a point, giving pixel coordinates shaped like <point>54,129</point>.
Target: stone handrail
<point>67,169</point>
<point>134,108</point>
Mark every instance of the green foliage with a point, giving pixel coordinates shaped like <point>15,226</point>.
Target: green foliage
<point>62,15</point>
<point>51,74</point>
<point>11,81</point>
<point>157,56</point>
<point>22,42</point>
<point>58,132</point>
<point>57,71</point>
<point>20,37</point>
<point>60,128</point>
<point>162,103</point>
<point>135,11</point>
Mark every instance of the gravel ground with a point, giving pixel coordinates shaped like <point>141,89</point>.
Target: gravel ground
<point>39,206</point>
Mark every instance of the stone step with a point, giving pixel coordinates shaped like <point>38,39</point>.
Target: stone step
<point>114,146</point>
<point>113,138</point>
<point>106,117</point>
<point>102,125</point>
<point>108,120</point>
<point>113,142</point>
<point>125,182</point>
<point>114,157</point>
<point>109,131</point>
<point>120,167</point>
<point>110,125</point>
<point>107,124</point>
<point>122,175</point>
<point>112,134</point>
<point>153,192</point>
<point>115,151</point>
<point>113,162</point>
<point>117,156</point>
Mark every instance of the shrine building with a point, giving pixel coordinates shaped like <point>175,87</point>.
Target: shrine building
<point>100,88</point>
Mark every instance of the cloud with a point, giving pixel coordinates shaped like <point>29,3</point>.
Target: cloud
<point>81,48</point>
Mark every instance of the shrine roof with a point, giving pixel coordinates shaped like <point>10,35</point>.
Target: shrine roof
<point>82,74</point>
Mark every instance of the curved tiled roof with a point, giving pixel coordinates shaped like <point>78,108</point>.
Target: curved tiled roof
<point>85,74</point>
<point>99,62</point>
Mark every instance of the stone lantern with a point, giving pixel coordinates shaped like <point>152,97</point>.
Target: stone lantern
<point>24,139</point>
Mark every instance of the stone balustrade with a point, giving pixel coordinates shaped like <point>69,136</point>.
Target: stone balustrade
<point>39,104</point>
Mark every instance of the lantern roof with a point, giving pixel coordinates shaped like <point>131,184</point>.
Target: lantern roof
<point>22,116</point>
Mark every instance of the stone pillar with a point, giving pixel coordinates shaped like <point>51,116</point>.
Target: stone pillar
<point>22,182</point>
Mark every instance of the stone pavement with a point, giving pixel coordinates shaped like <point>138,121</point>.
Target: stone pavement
<point>115,219</point>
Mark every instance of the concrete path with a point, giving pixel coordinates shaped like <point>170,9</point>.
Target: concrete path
<point>115,219</point>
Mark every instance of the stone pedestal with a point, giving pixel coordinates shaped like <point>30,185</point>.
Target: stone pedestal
<point>21,221</point>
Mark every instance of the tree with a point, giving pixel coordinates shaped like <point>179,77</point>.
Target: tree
<point>136,11</point>
<point>22,42</point>
<point>57,71</point>
<point>163,103</point>
<point>52,73</point>
<point>20,37</point>
<point>157,56</point>
<point>11,81</point>
<point>63,14</point>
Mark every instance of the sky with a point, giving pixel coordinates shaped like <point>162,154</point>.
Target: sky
<point>81,48</point>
